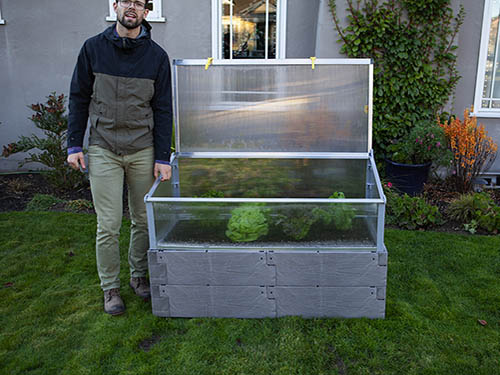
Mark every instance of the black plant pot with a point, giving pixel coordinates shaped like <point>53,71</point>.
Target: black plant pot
<point>408,178</point>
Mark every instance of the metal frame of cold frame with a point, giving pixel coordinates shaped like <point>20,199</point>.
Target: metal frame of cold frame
<point>225,286</point>
<point>373,182</point>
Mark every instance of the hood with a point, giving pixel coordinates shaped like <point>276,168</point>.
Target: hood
<point>128,43</point>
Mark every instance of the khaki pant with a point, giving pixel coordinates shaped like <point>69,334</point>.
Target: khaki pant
<point>107,171</point>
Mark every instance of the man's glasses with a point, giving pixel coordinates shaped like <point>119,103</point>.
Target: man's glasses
<point>139,5</point>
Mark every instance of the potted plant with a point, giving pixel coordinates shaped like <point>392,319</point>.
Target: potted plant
<point>412,156</point>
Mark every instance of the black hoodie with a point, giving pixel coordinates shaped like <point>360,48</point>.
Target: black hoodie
<point>125,86</point>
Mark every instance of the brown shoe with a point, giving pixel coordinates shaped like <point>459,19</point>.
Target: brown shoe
<point>140,285</point>
<point>113,303</point>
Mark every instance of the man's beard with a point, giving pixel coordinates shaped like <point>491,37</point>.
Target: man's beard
<point>129,24</point>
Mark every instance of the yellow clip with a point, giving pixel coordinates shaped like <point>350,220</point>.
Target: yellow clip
<point>313,60</point>
<point>209,62</point>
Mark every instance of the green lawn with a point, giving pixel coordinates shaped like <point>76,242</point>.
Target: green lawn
<point>52,321</point>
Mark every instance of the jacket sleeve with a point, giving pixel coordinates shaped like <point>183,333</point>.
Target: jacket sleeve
<point>79,98</point>
<point>161,103</point>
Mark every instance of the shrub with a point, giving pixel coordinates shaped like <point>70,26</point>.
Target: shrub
<point>425,143</point>
<point>473,151</point>
<point>212,194</point>
<point>412,46</point>
<point>49,118</point>
<point>42,202</point>
<point>410,212</point>
<point>476,210</point>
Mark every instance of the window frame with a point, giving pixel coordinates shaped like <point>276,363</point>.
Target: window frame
<point>481,67</point>
<point>155,16</point>
<point>217,29</point>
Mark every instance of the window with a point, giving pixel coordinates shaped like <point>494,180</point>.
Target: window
<point>154,16</point>
<point>487,96</point>
<point>2,21</point>
<point>248,29</point>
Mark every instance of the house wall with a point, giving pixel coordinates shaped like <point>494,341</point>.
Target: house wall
<point>468,54</point>
<point>301,28</point>
<point>39,46</point>
<point>469,41</point>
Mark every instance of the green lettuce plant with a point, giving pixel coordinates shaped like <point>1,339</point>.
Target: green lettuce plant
<point>295,222</point>
<point>248,223</point>
<point>341,215</point>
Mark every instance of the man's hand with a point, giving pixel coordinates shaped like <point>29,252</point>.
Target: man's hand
<point>164,170</point>
<point>76,160</point>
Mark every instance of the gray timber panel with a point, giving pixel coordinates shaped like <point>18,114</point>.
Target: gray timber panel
<point>343,284</point>
<point>329,269</point>
<point>211,268</point>
<point>157,271</point>
<point>159,303</point>
<point>218,301</point>
<point>345,302</point>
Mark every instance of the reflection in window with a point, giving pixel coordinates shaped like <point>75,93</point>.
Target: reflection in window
<point>491,87</point>
<point>249,29</point>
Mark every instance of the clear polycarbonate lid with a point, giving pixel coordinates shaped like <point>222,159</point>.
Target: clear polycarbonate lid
<point>293,105</point>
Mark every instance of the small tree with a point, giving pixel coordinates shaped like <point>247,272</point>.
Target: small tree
<point>473,150</point>
<point>51,119</point>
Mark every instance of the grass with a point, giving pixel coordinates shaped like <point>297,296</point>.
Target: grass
<point>52,321</point>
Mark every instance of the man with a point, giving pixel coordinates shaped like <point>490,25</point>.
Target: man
<point>122,82</point>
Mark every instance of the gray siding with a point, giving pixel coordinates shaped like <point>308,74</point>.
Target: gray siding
<point>469,41</point>
<point>326,39</point>
<point>468,55</point>
<point>39,46</point>
<point>301,25</point>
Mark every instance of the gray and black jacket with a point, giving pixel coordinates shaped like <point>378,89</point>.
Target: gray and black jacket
<point>124,86</point>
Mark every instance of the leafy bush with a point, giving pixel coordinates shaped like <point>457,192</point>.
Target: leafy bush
<point>412,46</point>
<point>476,210</point>
<point>247,223</point>
<point>42,202</point>
<point>410,212</point>
<point>472,149</point>
<point>50,118</point>
<point>425,143</point>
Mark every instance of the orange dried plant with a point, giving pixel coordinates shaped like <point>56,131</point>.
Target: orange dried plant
<point>473,150</point>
